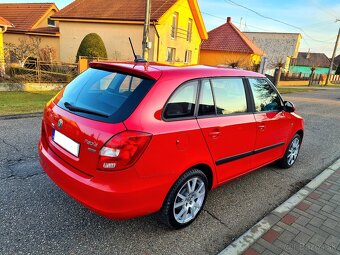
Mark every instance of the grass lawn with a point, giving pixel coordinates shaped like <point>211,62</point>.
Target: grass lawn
<point>24,102</point>
<point>294,90</point>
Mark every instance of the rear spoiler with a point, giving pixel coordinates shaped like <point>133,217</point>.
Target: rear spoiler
<point>142,70</point>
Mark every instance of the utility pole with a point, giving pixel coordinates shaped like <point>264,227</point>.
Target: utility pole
<point>145,43</point>
<point>333,56</point>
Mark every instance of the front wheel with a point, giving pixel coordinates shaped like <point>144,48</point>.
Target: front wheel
<point>291,153</point>
<point>185,200</point>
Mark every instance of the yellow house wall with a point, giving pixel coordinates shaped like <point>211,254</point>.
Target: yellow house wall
<point>181,44</point>
<point>214,58</point>
<point>114,36</point>
<point>50,41</point>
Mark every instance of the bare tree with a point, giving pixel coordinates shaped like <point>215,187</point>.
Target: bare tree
<point>27,47</point>
<point>278,63</point>
<point>239,61</point>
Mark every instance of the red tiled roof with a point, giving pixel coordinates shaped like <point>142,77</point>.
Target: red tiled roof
<point>133,10</point>
<point>5,22</point>
<point>45,30</point>
<point>24,15</point>
<point>229,38</point>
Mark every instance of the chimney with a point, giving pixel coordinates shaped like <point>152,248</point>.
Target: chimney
<point>229,20</point>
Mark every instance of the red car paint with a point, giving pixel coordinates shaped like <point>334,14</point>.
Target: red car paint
<point>213,144</point>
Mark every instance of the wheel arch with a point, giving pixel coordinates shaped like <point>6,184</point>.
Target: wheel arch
<point>300,133</point>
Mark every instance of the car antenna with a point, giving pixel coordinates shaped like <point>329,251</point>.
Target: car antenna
<point>138,58</point>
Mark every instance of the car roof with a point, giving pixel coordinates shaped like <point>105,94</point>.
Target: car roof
<point>154,71</point>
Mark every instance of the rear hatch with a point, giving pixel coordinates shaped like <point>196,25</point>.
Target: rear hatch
<point>88,112</point>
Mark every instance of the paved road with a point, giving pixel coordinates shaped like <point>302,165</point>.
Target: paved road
<point>37,217</point>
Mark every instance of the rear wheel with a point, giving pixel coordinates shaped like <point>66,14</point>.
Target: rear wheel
<point>291,153</point>
<point>185,200</point>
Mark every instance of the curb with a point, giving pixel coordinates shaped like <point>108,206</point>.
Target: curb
<point>21,116</point>
<point>241,244</point>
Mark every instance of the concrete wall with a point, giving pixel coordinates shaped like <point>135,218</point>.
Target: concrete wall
<point>31,86</point>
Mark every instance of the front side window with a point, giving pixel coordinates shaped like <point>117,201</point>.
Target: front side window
<point>171,54</point>
<point>174,25</point>
<point>265,96</point>
<point>182,102</point>
<point>230,96</point>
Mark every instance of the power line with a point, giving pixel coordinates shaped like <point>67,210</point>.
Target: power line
<point>273,19</point>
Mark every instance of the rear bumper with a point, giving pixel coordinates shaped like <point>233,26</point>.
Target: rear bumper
<point>119,195</point>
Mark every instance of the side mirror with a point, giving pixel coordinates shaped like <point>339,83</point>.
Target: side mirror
<point>288,106</point>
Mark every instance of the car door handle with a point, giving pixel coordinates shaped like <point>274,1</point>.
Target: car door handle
<point>262,126</point>
<point>214,134</point>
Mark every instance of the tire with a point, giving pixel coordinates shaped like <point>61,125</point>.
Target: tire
<point>291,153</point>
<point>188,204</point>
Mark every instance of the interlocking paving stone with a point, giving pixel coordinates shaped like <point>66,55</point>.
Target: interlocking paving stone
<point>318,240</point>
<point>302,238</point>
<point>333,241</point>
<point>311,227</point>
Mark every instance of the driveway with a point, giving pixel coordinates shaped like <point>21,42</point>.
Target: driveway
<point>37,217</point>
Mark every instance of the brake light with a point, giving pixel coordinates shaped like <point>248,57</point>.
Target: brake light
<point>123,150</point>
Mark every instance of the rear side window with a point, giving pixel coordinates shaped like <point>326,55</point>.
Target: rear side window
<point>265,96</point>
<point>104,95</point>
<point>182,102</point>
<point>230,96</point>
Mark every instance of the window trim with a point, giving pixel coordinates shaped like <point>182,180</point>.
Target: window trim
<point>252,95</point>
<point>173,49</point>
<point>198,94</point>
<point>189,35</point>
<point>174,29</point>
<point>50,25</point>
<point>186,54</point>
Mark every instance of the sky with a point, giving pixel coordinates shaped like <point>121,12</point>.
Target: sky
<point>314,19</point>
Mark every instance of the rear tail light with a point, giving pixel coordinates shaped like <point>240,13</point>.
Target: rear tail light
<point>123,150</point>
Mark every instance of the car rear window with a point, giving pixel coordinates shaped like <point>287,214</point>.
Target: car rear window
<point>104,95</point>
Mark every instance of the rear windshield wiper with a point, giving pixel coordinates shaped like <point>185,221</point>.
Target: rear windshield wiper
<point>79,109</point>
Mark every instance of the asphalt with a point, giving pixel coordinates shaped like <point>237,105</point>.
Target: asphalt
<point>36,217</point>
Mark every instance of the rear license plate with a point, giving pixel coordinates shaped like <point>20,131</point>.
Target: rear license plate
<point>66,143</point>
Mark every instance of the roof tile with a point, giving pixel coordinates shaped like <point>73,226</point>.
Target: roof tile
<point>228,37</point>
<point>113,9</point>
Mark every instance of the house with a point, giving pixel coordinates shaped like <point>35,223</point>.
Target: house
<point>4,25</point>
<point>31,20</point>
<point>279,47</point>
<point>307,60</point>
<point>227,45</point>
<point>337,63</point>
<point>175,33</point>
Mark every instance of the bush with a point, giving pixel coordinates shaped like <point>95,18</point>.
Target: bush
<point>92,46</point>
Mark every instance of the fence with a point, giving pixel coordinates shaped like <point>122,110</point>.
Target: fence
<point>39,71</point>
<point>314,79</point>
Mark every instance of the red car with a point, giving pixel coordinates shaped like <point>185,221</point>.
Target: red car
<point>130,139</point>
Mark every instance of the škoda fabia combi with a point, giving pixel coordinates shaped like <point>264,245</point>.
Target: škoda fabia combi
<point>130,139</point>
